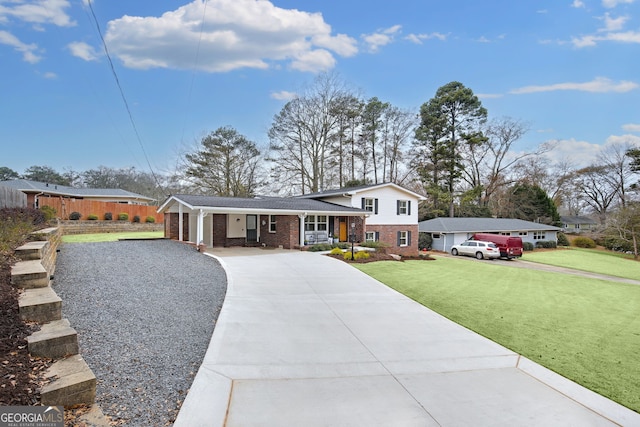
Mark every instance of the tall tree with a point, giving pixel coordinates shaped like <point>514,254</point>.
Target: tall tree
<point>456,115</point>
<point>45,174</point>
<point>531,203</point>
<point>7,174</point>
<point>615,158</point>
<point>598,188</point>
<point>625,225</point>
<point>224,164</point>
<point>372,126</point>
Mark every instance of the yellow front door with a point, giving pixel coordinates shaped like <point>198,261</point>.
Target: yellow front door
<point>343,229</point>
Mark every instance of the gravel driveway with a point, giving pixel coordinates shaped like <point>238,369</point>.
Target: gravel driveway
<point>145,312</point>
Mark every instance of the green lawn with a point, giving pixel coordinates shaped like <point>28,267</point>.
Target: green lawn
<point>611,263</point>
<point>111,237</point>
<point>587,330</point>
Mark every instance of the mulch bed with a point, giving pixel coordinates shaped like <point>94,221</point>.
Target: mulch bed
<point>380,256</point>
<point>20,374</point>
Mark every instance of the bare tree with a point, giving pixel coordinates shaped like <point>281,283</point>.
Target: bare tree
<point>598,188</point>
<point>615,157</point>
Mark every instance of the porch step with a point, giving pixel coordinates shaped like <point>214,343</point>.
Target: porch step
<point>40,305</point>
<point>29,274</point>
<point>73,383</point>
<point>31,250</point>
<point>54,340</point>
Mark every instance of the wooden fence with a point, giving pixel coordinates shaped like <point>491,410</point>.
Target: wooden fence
<point>65,206</point>
<point>11,198</point>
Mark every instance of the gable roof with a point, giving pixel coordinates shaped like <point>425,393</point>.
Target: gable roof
<point>280,205</point>
<point>27,186</point>
<point>351,191</point>
<point>577,219</point>
<point>478,225</point>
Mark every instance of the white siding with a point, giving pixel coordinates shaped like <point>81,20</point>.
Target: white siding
<point>387,206</point>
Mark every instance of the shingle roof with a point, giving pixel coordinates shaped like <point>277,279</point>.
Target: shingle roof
<point>473,225</point>
<point>267,203</point>
<point>577,219</point>
<point>27,186</point>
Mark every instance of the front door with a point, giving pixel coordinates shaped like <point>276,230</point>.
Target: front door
<point>252,228</point>
<point>343,229</point>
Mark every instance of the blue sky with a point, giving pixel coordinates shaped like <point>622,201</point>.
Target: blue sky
<point>569,68</point>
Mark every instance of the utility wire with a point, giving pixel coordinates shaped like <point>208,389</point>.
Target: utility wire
<point>124,99</point>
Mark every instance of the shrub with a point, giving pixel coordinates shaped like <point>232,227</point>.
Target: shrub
<point>136,218</point>
<point>527,246</point>
<point>584,242</point>
<point>361,255</point>
<point>336,251</point>
<point>615,243</point>
<point>49,212</point>
<point>150,219</point>
<point>342,245</point>
<point>123,216</point>
<point>320,247</point>
<point>562,240</point>
<point>74,216</point>
<point>546,244</point>
<point>15,224</point>
<point>347,256</point>
<point>108,216</point>
<point>424,241</point>
<point>92,217</point>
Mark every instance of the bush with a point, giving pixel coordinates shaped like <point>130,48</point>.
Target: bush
<point>150,219</point>
<point>108,216</point>
<point>123,216</point>
<point>92,217</point>
<point>546,244</point>
<point>361,255</point>
<point>424,241</point>
<point>336,251</point>
<point>347,256</point>
<point>562,240</point>
<point>527,246</point>
<point>15,224</point>
<point>136,218</point>
<point>342,245</point>
<point>74,216</point>
<point>48,212</point>
<point>617,244</point>
<point>584,242</point>
<point>320,247</point>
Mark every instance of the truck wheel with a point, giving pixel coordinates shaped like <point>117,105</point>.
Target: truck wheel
<point>479,255</point>
<point>454,252</point>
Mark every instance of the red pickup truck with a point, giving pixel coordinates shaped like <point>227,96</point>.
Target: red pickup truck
<point>510,246</point>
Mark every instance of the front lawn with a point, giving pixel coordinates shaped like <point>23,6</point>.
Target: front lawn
<point>611,263</point>
<point>587,330</point>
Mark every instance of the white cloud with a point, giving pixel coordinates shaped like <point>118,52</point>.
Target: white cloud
<point>631,127</point>
<point>633,140</point>
<point>50,75</point>
<point>27,50</point>
<point>625,37</point>
<point>83,50</point>
<point>483,39</point>
<point>38,12</point>
<point>613,3</point>
<point>598,85</point>
<point>581,153</point>
<point>284,95</point>
<point>577,3</point>
<point>235,34</point>
<point>418,38</point>
<point>381,38</point>
<point>613,24</point>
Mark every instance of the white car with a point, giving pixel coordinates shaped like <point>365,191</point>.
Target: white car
<point>476,248</point>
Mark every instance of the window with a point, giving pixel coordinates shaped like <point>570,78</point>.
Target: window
<point>539,235</point>
<point>272,223</point>
<point>404,238</point>
<point>403,207</point>
<point>316,223</point>
<point>435,235</point>
<point>523,233</point>
<point>370,205</point>
<point>372,236</point>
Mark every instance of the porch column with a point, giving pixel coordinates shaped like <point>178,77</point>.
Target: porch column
<point>180,223</point>
<point>200,228</point>
<point>302,218</point>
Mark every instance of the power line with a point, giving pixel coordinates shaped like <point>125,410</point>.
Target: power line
<point>124,99</point>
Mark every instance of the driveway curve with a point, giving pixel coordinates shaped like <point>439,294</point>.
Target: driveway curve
<point>304,339</point>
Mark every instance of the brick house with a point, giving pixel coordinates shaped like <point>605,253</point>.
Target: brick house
<point>382,212</point>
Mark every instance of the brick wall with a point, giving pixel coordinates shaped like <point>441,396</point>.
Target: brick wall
<point>389,236</point>
<point>172,226</point>
<point>287,232</point>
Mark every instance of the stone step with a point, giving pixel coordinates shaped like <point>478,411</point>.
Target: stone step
<point>54,340</point>
<point>31,250</point>
<point>73,383</point>
<point>29,274</point>
<point>40,305</point>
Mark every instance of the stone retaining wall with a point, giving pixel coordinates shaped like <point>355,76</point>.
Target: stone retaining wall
<point>86,227</point>
<point>50,252</point>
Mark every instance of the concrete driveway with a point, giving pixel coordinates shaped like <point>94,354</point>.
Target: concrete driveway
<point>306,340</point>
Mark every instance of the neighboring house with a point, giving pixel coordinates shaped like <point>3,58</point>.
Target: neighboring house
<point>577,223</point>
<point>384,212</point>
<point>447,232</point>
<point>36,190</point>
